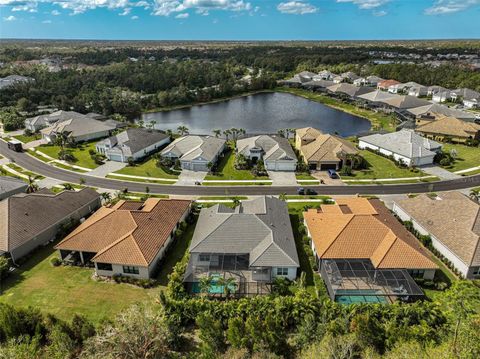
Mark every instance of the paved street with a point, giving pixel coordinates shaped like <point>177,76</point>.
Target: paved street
<point>46,170</point>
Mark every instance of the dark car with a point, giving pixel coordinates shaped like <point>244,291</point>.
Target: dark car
<point>301,191</point>
<point>15,146</point>
<point>332,174</point>
<point>310,192</point>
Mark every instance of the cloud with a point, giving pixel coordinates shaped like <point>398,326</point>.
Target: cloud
<point>55,12</point>
<point>367,4</point>
<point>441,7</point>
<point>379,13</point>
<point>10,18</point>
<point>126,11</point>
<point>46,21</point>
<point>168,7</point>
<point>183,15</point>
<point>134,17</point>
<point>296,8</point>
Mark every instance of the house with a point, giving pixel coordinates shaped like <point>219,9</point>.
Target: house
<point>134,144</point>
<point>77,129</point>
<point>12,80</point>
<point>363,251</point>
<point>469,97</point>
<point>322,151</point>
<point>442,96</point>
<point>450,128</point>
<point>401,88</point>
<point>418,91</point>
<point>376,98</point>
<point>385,84</point>
<point>429,113</point>
<point>349,90</point>
<point>405,146</point>
<point>367,81</point>
<point>195,153</point>
<point>452,221</point>
<point>472,103</point>
<point>10,186</point>
<point>128,238</point>
<point>275,151</point>
<point>324,75</point>
<point>431,90</point>
<point>37,123</point>
<point>318,85</point>
<point>401,102</point>
<point>252,244</point>
<point>349,77</point>
<point>299,79</point>
<point>28,221</point>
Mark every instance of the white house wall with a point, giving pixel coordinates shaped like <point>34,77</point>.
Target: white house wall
<point>292,273</point>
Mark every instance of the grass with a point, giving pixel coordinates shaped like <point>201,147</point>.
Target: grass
<point>60,188</point>
<point>146,168</point>
<point>150,195</point>
<point>467,157</point>
<point>27,139</point>
<point>24,171</point>
<point>237,184</point>
<point>64,291</point>
<point>38,156</point>
<point>221,198</point>
<point>380,167</point>
<point>227,171</point>
<point>304,176</point>
<point>405,181</point>
<point>378,119</point>
<point>133,179</point>
<point>81,153</point>
<point>308,197</point>
<point>66,167</point>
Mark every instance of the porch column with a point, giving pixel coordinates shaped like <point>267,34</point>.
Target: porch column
<point>81,258</point>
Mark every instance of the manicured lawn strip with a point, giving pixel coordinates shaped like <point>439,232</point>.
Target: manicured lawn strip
<point>227,171</point>
<point>24,171</point>
<point>471,173</point>
<point>81,153</point>
<point>213,198</point>
<point>65,167</point>
<point>27,139</point>
<point>237,184</point>
<point>433,179</point>
<point>467,157</point>
<point>125,179</point>
<point>147,168</point>
<point>308,197</point>
<point>64,290</point>
<point>378,119</point>
<point>38,156</point>
<point>150,195</point>
<point>304,176</point>
<point>381,167</point>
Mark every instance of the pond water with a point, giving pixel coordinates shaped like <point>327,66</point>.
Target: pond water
<point>262,113</point>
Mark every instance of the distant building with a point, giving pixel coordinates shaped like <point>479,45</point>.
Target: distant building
<point>12,80</point>
<point>77,129</point>
<point>450,128</point>
<point>385,84</point>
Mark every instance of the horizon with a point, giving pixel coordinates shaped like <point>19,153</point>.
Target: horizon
<point>240,20</point>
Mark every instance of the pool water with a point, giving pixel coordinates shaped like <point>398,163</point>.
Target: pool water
<point>359,296</point>
<point>214,287</point>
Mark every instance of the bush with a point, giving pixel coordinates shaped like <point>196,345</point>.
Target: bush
<point>144,283</point>
<point>55,261</point>
<point>4,266</point>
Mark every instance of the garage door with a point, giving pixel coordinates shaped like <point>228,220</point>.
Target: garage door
<point>282,166</point>
<point>199,167</point>
<point>117,158</point>
<point>328,166</point>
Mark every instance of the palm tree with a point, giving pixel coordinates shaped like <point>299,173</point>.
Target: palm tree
<point>229,285</point>
<point>236,202</point>
<point>106,197</point>
<point>217,132</point>
<point>227,133</point>
<point>281,132</point>
<point>67,186</point>
<point>205,284</point>
<point>234,132</point>
<point>283,197</point>
<point>475,195</point>
<point>169,133</point>
<point>32,185</point>
<point>182,130</point>
<point>152,124</point>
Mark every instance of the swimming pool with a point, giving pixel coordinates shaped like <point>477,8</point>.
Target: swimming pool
<point>359,296</point>
<point>214,287</point>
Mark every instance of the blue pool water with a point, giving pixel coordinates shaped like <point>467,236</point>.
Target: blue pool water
<point>214,287</point>
<point>359,296</point>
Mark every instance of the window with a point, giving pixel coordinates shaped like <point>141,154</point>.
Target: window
<point>204,257</point>
<point>104,266</point>
<point>416,273</point>
<point>476,271</point>
<point>130,270</point>
<point>282,271</point>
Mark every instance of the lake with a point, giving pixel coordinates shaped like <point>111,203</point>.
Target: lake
<point>262,113</point>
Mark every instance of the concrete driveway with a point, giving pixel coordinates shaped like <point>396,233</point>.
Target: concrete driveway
<point>106,168</point>
<point>280,178</point>
<point>438,171</point>
<point>188,178</point>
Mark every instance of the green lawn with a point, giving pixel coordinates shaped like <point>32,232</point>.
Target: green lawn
<point>81,153</point>
<point>24,171</point>
<point>237,184</point>
<point>227,171</point>
<point>27,139</point>
<point>381,167</point>
<point>37,156</point>
<point>304,176</point>
<point>133,179</point>
<point>65,167</point>
<point>64,291</point>
<point>467,156</point>
<point>379,120</point>
<point>147,168</point>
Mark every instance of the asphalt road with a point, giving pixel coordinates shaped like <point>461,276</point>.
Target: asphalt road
<point>46,170</point>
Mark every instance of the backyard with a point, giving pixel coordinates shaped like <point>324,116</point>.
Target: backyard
<point>226,170</point>
<point>467,156</point>
<point>27,139</point>
<point>381,167</point>
<point>148,168</point>
<point>379,120</point>
<point>81,153</point>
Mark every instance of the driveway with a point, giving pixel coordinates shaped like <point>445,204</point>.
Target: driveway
<point>34,144</point>
<point>188,178</point>
<point>323,176</point>
<point>280,178</point>
<point>439,172</point>
<point>106,168</point>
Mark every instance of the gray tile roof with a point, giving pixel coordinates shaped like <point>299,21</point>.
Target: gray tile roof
<point>274,147</point>
<point>350,90</point>
<point>10,186</point>
<point>378,96</point>
<point>442,110</point>
<point>29,215</point>
<point>406,143</point>
<point>133,140</point>
<point>12,80</point>
<point>192,147</point>
<point>78,127</point>
<point>54,117</point>
<point>319,83</point>
<point>260,227</point>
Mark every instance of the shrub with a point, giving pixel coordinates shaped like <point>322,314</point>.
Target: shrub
<point>55,261</point>
<point>143,283</point>
<point>4,266</point>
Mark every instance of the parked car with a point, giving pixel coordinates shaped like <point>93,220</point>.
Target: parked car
<point>15,145</point>
<point>311,192</point>
<point>332,174</point>
<point>306,192</point>
<point>301,191</point>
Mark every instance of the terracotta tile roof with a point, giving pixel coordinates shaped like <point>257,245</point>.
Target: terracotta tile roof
<point>452,218</point>
<point>130,233</point>
<point>450,126</point>
<point>369,231</point>
<point>325,147</point>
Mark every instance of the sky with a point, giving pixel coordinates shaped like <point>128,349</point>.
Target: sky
<point>240,19</point>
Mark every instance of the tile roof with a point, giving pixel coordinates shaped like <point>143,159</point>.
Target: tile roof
<point>133,140</point>
<point>29,215</point>
<point>274,147</point>
<point>78,127</point>
<point>350,90</point>
<point>368,231</point>
<point>259,227</point>
<point>128,233</point>
<point>323,147</point>
<point>192,147</point>
<point>405,102</point>
<point>378,96</point>
<point>9,185</point>
<point>405,142</point>
<point>450,126</point>
<point>435,108</point>
<point>452,218</point>
<point>388,83</point>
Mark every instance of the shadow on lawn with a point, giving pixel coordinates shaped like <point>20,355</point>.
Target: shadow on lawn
<point>302,255</point>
